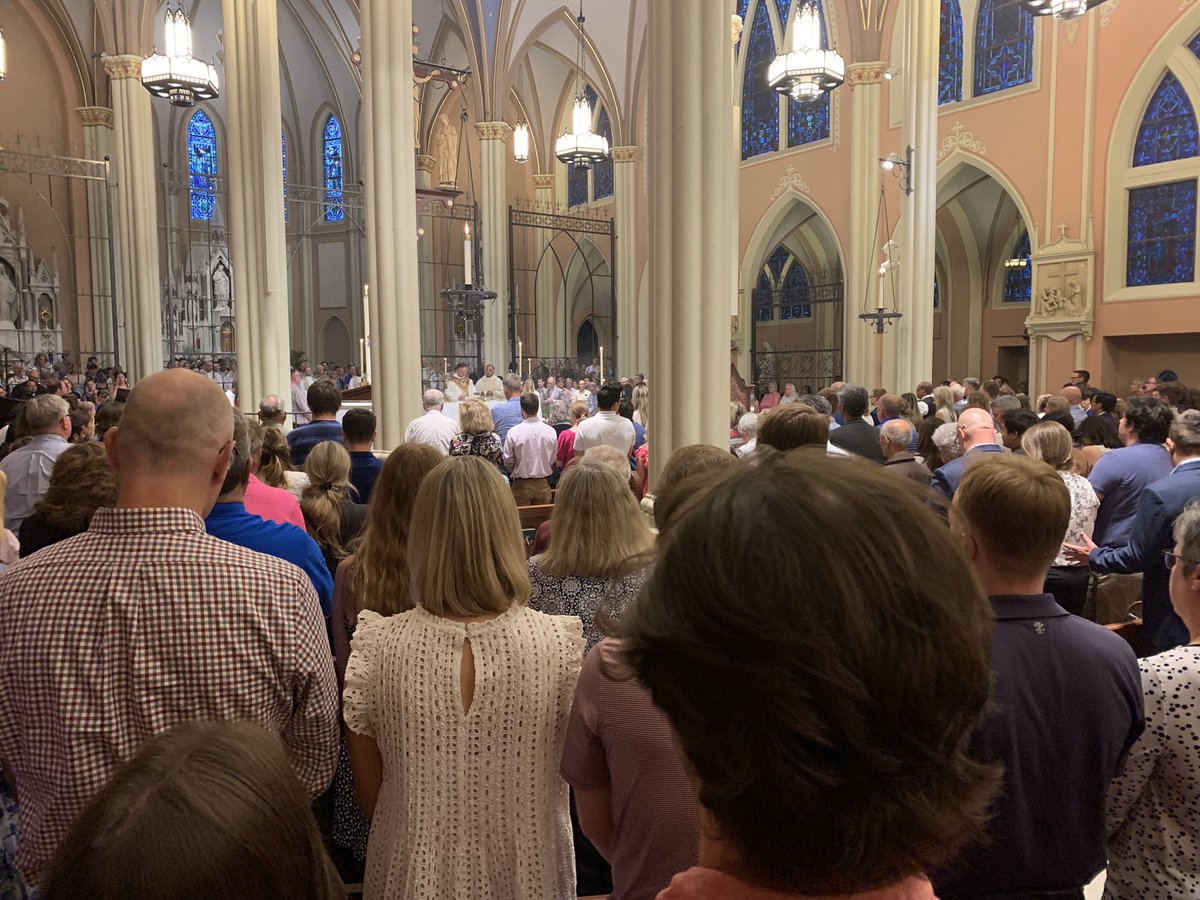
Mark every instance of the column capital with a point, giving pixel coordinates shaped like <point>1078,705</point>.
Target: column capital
<point>95,115</point>
<point>543,182</point>
<point>736,26</point>
<point>120,67</point>
<point>493,131</point>
<point>865,73</point>
<point>425,163</point>
<point>624,154</point>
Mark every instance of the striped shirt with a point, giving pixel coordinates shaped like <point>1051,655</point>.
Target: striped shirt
<point>140,623</point>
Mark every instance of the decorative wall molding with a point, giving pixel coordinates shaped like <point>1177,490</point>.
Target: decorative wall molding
<point>544,182</point>
<point>962,138</point>
<point>624,154</point>
<point>493,131</point>
<point>95,115</point>
<point>865,73</point>
<point>118,67</point>
<point>426,163</point>
<point>1110,7</point>
<point>791,181</point>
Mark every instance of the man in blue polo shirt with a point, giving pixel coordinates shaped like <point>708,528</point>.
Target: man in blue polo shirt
<point>324,400</point>
<point>229,521</point>
<point>508,414</point>
<point>1067,697</point>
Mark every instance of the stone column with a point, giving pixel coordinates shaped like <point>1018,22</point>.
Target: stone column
<point>391,201</point>
<point>912,338</point>
<point>257,242</point>
<point>430,339</point>
<point>691,248</point>
<point>137,228</point>
<point>628,338</point>
<point>548,276</point>
<point>865,81</point>
<point>98,144</point>
<point>493,212</point>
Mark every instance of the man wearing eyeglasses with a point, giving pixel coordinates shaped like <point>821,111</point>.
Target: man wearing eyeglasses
<point>1158,506</point>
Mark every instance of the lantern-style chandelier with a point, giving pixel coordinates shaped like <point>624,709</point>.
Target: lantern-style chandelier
<point>805,71</point>
<point>3,56</point>
<point>1060,9</point>
<point>521,141</point>
<point>176,75</point>
<point>581,146</point>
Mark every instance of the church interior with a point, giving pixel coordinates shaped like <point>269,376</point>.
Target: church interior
<point>1044,221</point>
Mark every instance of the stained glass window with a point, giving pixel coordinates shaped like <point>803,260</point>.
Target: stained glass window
<point>1168,128</point>
<point>1194,45</point>
<point>784,7</point>
<point>764,299</point>
<point>602,172</point>
<point>334,172</point>
<point>742,8</point>
<point>794,299</point>
<point>760,104</point>
<point>950,53</point>
<point>1018,280</point>
<point>808,122</point>
<point>202,165</point>
<point>1003,46</point>
<point>1162,234</point>
<point>577,185</point>
<point>283,145</point>
<point>937,295</point>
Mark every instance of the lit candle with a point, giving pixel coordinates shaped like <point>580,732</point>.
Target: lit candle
<point>366,331</point>
<point>362,355</point>
<point>520,357</point>
<point>602,365</point>
<point>468,257</point>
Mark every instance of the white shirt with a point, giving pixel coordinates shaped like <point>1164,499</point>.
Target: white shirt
<point>747,449</point>
<point>433,429</point>
<point>490,388</point>
<point>530,448</point>
<point>606,428</point>
<point>28,471</point>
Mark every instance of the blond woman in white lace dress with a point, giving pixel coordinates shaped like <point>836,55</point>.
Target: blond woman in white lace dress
<point>456,711</point>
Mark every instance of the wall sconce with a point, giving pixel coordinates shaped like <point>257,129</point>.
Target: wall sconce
<point>902,166</point>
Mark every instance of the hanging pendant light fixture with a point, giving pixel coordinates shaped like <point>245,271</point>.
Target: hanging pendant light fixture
<point>177,75</point>
<point>581,146</point>
<point>521,141</point>
<point>1060,9</point>
<point>806,71</point>
<point>3,56</point>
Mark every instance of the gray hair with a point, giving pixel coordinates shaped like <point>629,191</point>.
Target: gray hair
<point>1187,533</point>
<point>854,400</point>
<point>271,408</point>
<point>971,382</point>
<point>946,438</point>
<point>45,411</point>
<point>898,432</point>
<point>239,463</point>
<point>1005,403</point>
<point>819,403</point>
<point>512,384</point>
<point>747,425</point>
<point>432,398</point>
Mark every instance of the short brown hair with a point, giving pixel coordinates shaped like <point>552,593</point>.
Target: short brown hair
<point>468,556</point>
<point>792,425</point>
<point>1185,432</point>
<point>81,482</point>
<point>995,493</point>
<point>686,463</point>
<point>324,398</point>
<point>208,809</point>
<point>828,766</point>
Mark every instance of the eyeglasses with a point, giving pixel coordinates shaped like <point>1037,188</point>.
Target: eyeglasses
<point>1170,559</point>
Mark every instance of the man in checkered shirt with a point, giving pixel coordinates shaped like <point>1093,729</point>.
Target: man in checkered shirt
<point>145,621</point>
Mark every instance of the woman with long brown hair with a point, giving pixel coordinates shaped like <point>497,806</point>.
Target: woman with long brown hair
<point>456,710</point>
<point>332,516</point>
<point>598,528</point>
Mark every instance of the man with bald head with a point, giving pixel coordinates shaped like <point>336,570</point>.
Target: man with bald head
<point>145,620</point>
<point>976,436</point>
<point>1074,398</point>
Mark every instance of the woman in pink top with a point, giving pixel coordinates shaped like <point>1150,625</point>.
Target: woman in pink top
<point>566,440</point>
<point>821,699</point>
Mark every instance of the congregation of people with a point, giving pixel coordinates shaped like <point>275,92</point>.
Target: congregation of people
<point>893,645</point>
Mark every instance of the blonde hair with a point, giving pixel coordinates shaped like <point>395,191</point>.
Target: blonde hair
<point>328,470</point>
<point>597,525</point>
<point>1050,443</point>
<point>275,458</point>
<point>578,411</point>
<point>380,576</point>
<point>467,556</point>
<point>1057,404</point>
<point>943,398</point>
<point>474,417</point>
<point>641,402</point>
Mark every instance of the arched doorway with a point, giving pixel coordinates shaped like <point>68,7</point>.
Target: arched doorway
<point>587,343</point>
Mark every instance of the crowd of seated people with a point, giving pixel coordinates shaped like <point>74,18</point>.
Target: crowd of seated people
<point>220,681</point>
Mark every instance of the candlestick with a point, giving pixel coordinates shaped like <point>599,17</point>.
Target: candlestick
<point>362,355</point>
<point>366,340</point>
<point>468,257</point>
<point>520,356</point>
<point>602,365</point>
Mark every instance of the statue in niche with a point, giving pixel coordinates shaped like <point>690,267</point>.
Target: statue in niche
<point>445,148</point>
<point>220,287</point>
<point>10,300</point>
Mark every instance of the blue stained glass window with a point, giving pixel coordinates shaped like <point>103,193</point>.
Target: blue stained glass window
<point>937,295</point>
<point>1003,46</point>
<point>760,104</point>
<point>334,170</point>
<point>577,185</point>
<point>1168,129</point>
<point>764,299</point>
<point>1194,45</point>
<point>202,165</point>
<point>602,172</point>
<point>808,122</point>
<point>742,8</point>
<point>794,299</point>
<point>1018,281</point>
<point>784,6</point>
<point>1162,234</point>
<point>950,53</point>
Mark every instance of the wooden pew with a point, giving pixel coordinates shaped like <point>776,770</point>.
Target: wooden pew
<point>531,518</point>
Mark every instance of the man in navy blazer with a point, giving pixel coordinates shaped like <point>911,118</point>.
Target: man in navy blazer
<point>856,436</point>
<point>976,435</point>
<point>1158,506</point>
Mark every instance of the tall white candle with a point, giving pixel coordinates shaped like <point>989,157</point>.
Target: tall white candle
<point>520,358</point>
<point>468,257</point>
<point>602,365</point>
<point>366,342</point>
